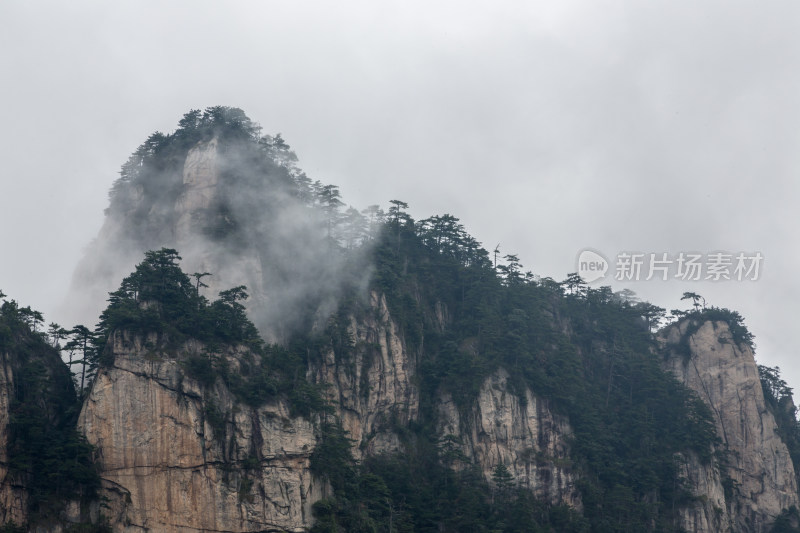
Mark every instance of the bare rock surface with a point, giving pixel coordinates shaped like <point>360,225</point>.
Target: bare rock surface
<point>373,385</point>
<point>519,432</point>
<point>169,464</point>
<point>760,471</point>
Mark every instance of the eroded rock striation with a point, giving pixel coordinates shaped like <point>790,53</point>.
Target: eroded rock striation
<point>372,385</point>
<point>757,480</point>
<point>177,457</point>
<point>519,432</point>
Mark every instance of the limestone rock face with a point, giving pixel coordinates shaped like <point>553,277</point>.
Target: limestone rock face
<point>179,212</point>
<point>709,514</point>
<point>194,211</point>
<point>173,462</point>
<point>200,178</point>
<point>525,436</point>
<point>725,376</point>
<point>373,386</point>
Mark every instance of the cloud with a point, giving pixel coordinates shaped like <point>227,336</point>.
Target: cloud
<point>549,127</point>
<point>235,205</point>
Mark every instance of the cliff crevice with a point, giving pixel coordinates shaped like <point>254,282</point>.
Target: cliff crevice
<point>165,466</point>
<point>757,468</point>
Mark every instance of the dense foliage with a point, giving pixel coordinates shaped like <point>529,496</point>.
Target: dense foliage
<point>419,491</point>
<point>159,298</point>
<point>463,313</point>
<point>46,454</point>
<point>787,522</point>
<point>589,351</point>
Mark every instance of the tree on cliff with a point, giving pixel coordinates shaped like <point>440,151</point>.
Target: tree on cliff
<point>695,298</point>
<point>159,297</point>
<point>780,401</point>
<point>82,340</point>
<point>652,314</point>
<point>45,455</point>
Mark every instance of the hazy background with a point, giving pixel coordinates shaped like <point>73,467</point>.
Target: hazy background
<point>547,127</point>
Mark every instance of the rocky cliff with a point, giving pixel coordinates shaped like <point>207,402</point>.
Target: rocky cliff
<point>374,389</point>
<point>199,211</point>
<point>372,384</point>
<point>519,432</point>
<point>178,457</point>
<point>757,479</point>
<point>182,455</point>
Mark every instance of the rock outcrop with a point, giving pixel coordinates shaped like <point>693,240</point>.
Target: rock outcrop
<point>180,456</point>
<point>200,179</point>
<point>519,432</point>
<point>373,385</point>
<point>759,473</point>
<point>373,388</point>
<point>176,457</point>
<point>196,210</point>
<point>708,514</point>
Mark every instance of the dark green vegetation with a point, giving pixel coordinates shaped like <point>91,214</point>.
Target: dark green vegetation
<point>263,207</point>
<point>418,491</point>
<point>463,314</point>
<point>780,402</point>
<point>588,351</point>
<point>696,318</point>
<point>158,297</point>
<point>46,454</point>
<point>787,522</point>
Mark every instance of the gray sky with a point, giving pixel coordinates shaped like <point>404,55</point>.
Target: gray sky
<point>547,127</point>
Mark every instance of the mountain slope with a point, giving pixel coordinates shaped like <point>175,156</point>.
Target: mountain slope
<point>407,382</point>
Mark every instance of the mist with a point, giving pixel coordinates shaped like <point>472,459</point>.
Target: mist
<point>547,127</point>
<point>236,206</point>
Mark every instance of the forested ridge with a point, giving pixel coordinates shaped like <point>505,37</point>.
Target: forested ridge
<point>463,312</point>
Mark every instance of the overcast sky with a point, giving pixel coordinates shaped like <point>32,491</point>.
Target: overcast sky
<point>548,127</point>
